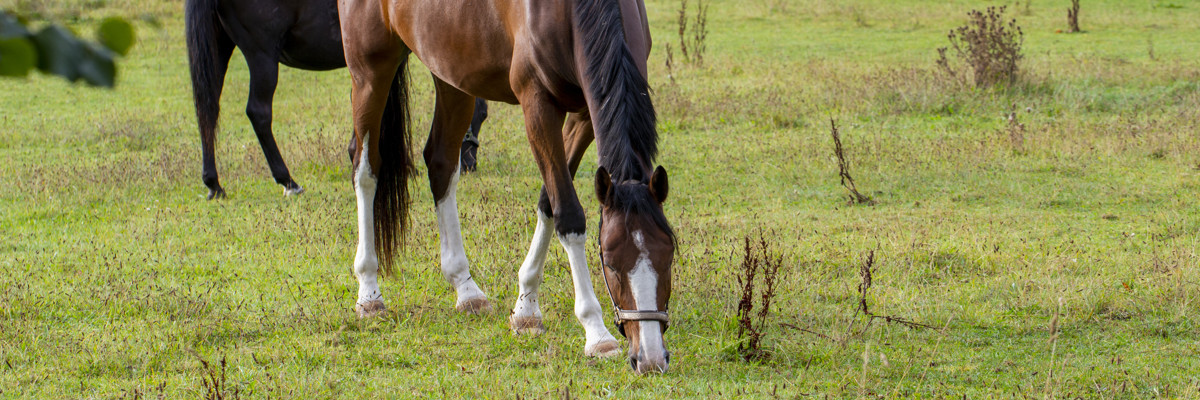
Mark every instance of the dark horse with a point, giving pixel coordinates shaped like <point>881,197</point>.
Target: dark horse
<point>301,34</point>
<point>553,57</point>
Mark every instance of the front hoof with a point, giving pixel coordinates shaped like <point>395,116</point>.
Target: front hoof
<point>605,349</point>
<point>526,325</point>
<point>216,193</point>
<point>292,189</point>
<point>478,305</point>
<point>372,308</point>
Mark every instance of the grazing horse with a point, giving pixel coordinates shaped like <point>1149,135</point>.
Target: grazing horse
<point>301,34</point>
<point>552,57</point>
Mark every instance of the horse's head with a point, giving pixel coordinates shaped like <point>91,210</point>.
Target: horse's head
<point>637,248</point>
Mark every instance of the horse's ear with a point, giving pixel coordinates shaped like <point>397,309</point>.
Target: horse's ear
<point>603,185</point>
<point>658,184</point>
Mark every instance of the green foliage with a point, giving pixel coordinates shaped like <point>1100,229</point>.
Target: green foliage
<point>116,34</point>
<point>56,50</point>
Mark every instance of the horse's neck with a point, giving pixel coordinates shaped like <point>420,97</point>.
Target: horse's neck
<point>637,31</point>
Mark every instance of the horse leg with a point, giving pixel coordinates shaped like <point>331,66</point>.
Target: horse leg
<point>578,134</point>
<point>470,144</point>
<point>451,117</point>
<point>264,75</point>
<point>543,124</point>
<point>373,55</point>
<point>527,315</point>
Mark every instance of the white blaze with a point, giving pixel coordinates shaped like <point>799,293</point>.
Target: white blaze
<point>643,282</point>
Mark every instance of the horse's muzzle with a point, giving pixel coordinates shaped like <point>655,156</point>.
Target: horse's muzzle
<point>641,363</point>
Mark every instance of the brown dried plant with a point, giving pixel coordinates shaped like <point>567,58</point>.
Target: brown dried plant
<point>844,168</point>
<point>760,267</point>
<point>988,45</point>
<point>1073,17</point>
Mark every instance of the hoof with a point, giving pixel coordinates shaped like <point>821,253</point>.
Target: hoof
<point>292,189</point>
<point>526,325</point>
<point>604,349</point>
<point>373,308</point>
<point>216,193</point>
<point>478,305</point>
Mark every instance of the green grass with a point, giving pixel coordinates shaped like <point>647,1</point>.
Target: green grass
<point>118,278</point>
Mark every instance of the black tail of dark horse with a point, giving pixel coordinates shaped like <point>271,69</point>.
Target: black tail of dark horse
<point>391,193</point>
<point>203,32</point>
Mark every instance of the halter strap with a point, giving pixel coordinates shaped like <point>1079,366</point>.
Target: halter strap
<point>620,316</point>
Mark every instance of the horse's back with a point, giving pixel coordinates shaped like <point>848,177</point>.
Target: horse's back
<point>304,33</point>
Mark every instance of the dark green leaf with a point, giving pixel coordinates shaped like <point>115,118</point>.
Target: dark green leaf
<point>116,34</point>
<point>17,57</point>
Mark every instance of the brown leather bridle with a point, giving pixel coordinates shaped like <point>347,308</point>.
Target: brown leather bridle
<point>621,316</point>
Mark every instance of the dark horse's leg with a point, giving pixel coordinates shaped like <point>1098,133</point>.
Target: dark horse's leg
<point>209,50</point>
<point>264,75</point>
<point>470,144</point>
<point>450,121</point>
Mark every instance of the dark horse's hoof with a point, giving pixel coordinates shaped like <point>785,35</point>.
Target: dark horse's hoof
<point>216,193</point>
<point>292,189</point>
<point>467,156</point>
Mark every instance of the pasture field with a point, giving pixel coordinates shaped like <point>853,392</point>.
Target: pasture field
<point>1060,261</point>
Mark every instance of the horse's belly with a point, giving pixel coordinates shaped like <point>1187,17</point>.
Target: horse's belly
<point>463,42</point>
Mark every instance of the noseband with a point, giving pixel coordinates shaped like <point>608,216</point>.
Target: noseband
<point>621,316</point>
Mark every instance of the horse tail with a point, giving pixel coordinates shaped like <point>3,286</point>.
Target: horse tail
<point>203,35</point>
<point>396,166</point>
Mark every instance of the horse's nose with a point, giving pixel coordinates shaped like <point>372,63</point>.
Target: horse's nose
<point>643,364</point>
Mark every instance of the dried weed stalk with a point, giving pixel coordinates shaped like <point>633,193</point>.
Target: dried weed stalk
<point>214,381</point>
<point>761,267</point>
<point>1047,390</point>
<point>866,276</point>
<point>1073,17</point>
<point>844,168</point>
<point>865,273</point>
<point>670,64</point>
<point>1016,131</point>
<point>692,42</point>
<point>988,45</point>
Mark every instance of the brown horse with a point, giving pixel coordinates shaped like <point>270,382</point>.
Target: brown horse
<point>553,57</point>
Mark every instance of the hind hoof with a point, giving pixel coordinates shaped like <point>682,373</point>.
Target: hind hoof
<point>216,194</point>
<point>478,305</point>
<point>373,308</point>
<point>603,349</point>
<point>292,189</point>
<point>526,325</point>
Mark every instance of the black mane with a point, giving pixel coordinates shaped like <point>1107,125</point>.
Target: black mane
<point>624,122</point>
